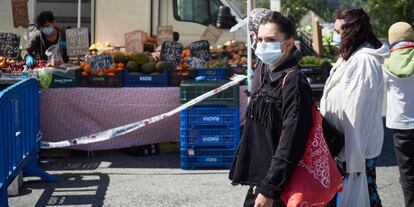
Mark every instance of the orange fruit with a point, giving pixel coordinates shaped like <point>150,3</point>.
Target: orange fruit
<point>121,65</point>
<point>85,73</point>
<point>110,74</point>
<point>87,67</point>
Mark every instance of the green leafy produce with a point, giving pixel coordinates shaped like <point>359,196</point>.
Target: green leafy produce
<point>311,61</point>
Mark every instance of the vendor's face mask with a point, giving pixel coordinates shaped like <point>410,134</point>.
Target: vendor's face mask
<point>47,30</point>
<point>269,52</point>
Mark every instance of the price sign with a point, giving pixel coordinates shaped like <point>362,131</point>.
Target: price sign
<point>195,62</point>
<point>201,50</point>
<point>171,52</point>
<point>9,45</point>
<point>101,62</point>
<point>77,41</point>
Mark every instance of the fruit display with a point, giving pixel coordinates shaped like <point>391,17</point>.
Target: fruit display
<point>145,63</point>
<point>15,66</point>
<point>100,48</point>
<point>215,63</point>
<point>10,65</point>
<point>135,63</point>
<point>186,53</point>
<point>86,69</point>
<point>236,52</point>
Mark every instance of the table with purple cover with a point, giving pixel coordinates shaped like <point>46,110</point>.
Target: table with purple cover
<point>67,113</point>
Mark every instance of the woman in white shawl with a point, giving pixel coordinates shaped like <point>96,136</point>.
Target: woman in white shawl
<point>352,102</point>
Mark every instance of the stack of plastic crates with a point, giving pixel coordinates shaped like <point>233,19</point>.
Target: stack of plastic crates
<point>210,130</point>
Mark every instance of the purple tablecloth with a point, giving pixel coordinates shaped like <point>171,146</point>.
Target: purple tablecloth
<point>67,113</point>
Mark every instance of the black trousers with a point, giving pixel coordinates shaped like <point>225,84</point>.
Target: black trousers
<point>251,198</point>
<point>404,151</point>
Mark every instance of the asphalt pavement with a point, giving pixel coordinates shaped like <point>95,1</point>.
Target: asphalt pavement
<point>115,178</point>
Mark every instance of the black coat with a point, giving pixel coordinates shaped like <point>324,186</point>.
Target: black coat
<point>276,131</point>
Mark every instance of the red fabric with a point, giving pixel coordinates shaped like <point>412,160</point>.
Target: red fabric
<point>316,178</point>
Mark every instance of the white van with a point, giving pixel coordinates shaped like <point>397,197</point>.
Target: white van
<point>109,20</point>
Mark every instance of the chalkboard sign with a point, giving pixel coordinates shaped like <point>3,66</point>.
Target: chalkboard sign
<point>164,33</point>
<point>100,62</point>
<point>77,41</point>
<point>20,13</point>
<point>171,52</point>
<point>195,62</point>
<point>201,49</point>
<point>134,41</point>
<point>9,45</point>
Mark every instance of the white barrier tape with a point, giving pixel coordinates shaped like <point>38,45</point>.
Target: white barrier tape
<point>118,131</point>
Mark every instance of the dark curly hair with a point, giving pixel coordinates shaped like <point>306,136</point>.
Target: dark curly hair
<point>356,31</point>
<point>286,24</point>
<point>45,16</point>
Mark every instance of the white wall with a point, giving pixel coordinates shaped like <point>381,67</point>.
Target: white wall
<point>114,18</point>
<point>6,18</point>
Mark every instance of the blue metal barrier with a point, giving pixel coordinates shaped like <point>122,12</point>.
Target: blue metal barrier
<point>19,134</point>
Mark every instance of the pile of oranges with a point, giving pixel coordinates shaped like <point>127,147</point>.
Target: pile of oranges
<point>183,65</point>
<point>87,70</point>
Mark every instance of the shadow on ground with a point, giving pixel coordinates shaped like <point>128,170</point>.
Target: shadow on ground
<point>111,159</point>
<point>72,189</point>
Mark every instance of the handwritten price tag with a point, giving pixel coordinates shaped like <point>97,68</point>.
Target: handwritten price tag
<point>9,45</point>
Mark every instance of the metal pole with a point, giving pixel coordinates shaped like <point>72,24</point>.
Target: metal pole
<point>249,51</point>
<point>92,21</point>
<point>79,12</point>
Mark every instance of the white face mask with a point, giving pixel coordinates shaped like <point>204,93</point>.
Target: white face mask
<point>269,52</point>
<point>336,40</point>
<point>47,30</point>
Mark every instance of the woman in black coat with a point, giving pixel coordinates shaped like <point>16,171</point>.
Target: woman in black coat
<point>278,117</point>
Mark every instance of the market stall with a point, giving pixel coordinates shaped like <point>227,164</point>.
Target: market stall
<point>74,112</point>
<point>104,87</point>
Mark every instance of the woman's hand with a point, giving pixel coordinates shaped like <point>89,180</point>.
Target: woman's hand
<point>263,201</point>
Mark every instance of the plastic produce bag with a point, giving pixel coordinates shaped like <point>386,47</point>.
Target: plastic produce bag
<point>355,192</point>
<point>54,55</point>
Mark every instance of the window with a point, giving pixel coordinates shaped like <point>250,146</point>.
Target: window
<point>200,11</point>
<point>240,6</point>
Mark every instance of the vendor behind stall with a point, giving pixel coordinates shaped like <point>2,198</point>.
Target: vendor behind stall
<point>48,35</point>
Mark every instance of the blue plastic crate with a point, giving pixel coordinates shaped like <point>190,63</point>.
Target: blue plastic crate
<point>212,74</point>
<point>193,166</point>
<point>147,80</point>
<point>190,90</point>
<point>210,115</point>
<point>210,136</point>
<point>206,157</point>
